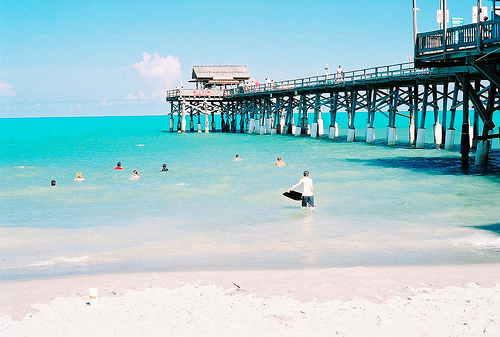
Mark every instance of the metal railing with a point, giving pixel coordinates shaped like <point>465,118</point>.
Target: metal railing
<point>459,38</point>
<point>197,93</point>
<point>336,79</point>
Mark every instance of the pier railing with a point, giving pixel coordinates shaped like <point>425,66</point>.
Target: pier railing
<point>459,38</point>
<point>200,94</point>
<point>335,79</point>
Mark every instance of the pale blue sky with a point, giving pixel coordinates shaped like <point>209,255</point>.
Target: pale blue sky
<point>105,57</point>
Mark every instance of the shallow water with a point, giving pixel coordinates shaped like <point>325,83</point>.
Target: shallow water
<point>376,205</point>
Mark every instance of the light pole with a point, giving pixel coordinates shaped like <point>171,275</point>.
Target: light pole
<point>415,9</point>
<point>444,25</point>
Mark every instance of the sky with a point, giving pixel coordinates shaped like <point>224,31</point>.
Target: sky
<point>118,58</point>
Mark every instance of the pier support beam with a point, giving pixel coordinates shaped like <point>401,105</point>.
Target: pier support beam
<point>207,123</point>
<point>438,133</point>
<point>482,152</point>
<point>263,119</point>
<point>251,125</point>
<point>333,131</point>
<point>420,143</point>
<point>191,122</point>
<point>351,132</point>
<point>465,139</point>
<point>449,139</point>
<point>450,131</point>
<point>213,123</point>
<point>413,115</point>
<point>303,127</point>
<point>421,132</point>
<point>183,120</point>
<point>370,134</point>
<point>317,126</point>
<point>437,127</point>
<point>392,135</point>
<point>198,125</point>
<point>370,130</point>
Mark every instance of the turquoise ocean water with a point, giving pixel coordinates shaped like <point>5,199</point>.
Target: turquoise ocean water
<point>376,205</point>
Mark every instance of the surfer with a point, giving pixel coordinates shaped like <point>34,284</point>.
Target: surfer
<point>279,162</point>
<point>164,168</point>
<point>307,192</point>
<point>79,177</point>
<point>118,166</point>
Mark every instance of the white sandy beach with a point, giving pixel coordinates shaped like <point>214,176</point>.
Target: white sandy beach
<point>374,301</point>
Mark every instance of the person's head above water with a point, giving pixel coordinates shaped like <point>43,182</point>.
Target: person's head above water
<point>306,173</point>
<point>119,164</point>
<point>52,183</point>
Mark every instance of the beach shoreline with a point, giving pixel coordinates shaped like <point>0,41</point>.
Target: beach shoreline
<point>23,301</point>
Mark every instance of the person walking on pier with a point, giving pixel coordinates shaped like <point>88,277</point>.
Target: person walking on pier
<point>307,190</point>
<point>340,74</point>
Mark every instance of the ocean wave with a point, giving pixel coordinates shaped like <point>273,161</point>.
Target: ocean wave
<point>59,261</point>
<point>480,241</point>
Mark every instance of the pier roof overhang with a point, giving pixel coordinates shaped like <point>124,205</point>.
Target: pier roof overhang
<point>224,74</point>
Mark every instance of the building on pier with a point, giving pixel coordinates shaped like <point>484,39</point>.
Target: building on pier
<point>208,97</point>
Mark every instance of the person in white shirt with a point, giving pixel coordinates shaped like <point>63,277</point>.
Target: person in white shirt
<point>307,192</point>
<point>340,74</point>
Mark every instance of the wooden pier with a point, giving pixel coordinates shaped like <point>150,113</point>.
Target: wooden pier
<point>454,69</point>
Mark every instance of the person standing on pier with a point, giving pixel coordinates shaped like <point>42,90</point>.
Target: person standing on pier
<point>340,74</point>
<point>307,190</point>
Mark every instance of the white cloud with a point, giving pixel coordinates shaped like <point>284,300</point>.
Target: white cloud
<point>140,96</point>
<point>131,97</point>
<point>7,89</point>
<point>157,69</point>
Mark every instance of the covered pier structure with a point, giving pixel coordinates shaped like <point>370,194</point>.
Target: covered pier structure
<point>454,70</point>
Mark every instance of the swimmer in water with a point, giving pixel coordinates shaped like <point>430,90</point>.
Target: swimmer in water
<point>279,162</point>
<point>119,166</point>
<point>79,177</point>
<point>237,158</point>
<point>52,183</point>
<point>164,168</point>
<point>135,175</point>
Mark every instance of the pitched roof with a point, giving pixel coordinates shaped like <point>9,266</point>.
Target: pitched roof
<point>220,73</point>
